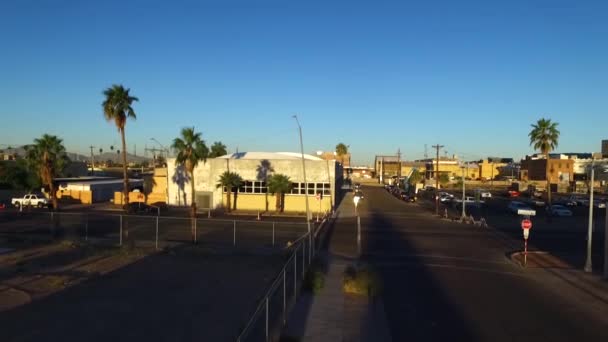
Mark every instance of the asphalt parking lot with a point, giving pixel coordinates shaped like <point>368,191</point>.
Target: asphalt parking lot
<point>563,236</point>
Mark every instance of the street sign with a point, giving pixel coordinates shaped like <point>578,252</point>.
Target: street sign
<point>526,212</point>
<point>526,224</point>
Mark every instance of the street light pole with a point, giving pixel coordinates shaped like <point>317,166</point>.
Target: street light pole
<point>463,193</point>
<point>588,263</point>
<point>305,184</point>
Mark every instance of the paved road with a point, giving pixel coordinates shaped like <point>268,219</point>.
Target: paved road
<point>449,282</point>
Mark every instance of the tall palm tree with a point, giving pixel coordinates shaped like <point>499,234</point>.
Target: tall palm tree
<point>279,185</point>
<point>217,150</point>
<point>263,171</point>
<point>190,149</point>
<point>341,151</point>
<point>47,157</point>
<point>544,137</point>
<point>231,181</point>
<point>117,108</point>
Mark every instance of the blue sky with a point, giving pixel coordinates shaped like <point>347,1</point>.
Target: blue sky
<point>376,75</point>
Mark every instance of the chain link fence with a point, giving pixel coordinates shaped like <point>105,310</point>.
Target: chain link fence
<point>273,309</point>
<point>150,231</point>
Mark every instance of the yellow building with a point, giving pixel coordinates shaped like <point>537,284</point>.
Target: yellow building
<point>490,169</point>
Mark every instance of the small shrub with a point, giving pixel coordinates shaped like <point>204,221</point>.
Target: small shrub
<point>362,280</point>
<point>314,281</point>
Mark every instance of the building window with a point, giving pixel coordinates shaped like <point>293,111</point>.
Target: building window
<point>251,187</point>
<point>259,188</point>
<point>313,188</point>
<point>326,189</point>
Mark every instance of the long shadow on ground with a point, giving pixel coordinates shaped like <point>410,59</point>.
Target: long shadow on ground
<point>187,294</point>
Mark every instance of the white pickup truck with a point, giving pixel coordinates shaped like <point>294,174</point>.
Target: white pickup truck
<point>30,200</point>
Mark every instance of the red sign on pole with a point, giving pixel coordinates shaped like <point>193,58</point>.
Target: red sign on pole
<point>526,224</point>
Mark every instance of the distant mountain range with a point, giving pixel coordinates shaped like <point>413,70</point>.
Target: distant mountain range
<point>113,156</point>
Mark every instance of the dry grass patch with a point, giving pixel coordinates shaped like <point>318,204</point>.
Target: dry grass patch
<point>362,280</point>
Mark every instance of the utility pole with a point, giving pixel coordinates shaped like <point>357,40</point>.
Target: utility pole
<point>92,161</point>
<point>437,147</point>
<point>399,165</point>
<point>588,263</point>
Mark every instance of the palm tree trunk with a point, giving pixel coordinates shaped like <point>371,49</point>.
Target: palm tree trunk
<point>125,189</point>
<point>282,201</point>
<point>192,195</point>
<point>234,200</point>
<point>278,202</point>
<point>228,191</point>
<point>53,195</point>
<point>192,206</point>
<point>548,180</point>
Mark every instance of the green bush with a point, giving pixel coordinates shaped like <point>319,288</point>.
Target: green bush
<point>362,280</point>
<point>314,281</point>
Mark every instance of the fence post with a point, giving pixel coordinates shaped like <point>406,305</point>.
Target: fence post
<point>156,232</point>
<point>234,233</point>
<point>272,233</point>
<point>120,242</point>
<point>303,257</point>
<point>86,227</point>
<point>267,319</point>
<point>295,274</point>
<point>284,298</point>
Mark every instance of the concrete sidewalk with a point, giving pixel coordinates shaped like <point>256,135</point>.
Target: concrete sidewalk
<point>331,315</point>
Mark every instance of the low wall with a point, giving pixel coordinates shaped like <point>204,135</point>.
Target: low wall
<point>84,197</point>
<point>292,203</point>
<point>133,197</point>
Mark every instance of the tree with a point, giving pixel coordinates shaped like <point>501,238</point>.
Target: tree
<point>17,175</point>
<point>544,137</point>
<point>415,177</point>
<point>231,181</point>
<point>279,185</point>
<point>217,150</point>
<point>341,151</point>
<point>117,108</point>
<point>444,179</point>
<point>47,157</point>
<point>263,171</point>
<point>191,149</point>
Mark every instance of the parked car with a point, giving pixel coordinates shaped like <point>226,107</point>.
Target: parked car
<point>513,193</point>
<point>33,200</point>
<point>558,210</point>
<point>483,193</point>
<point>359,194</point>
<point>537,202</point>
<point>444,197</point>
<point>568,201</point>
<point>515,206</point>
